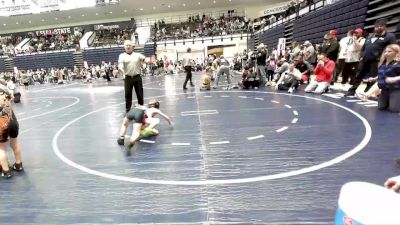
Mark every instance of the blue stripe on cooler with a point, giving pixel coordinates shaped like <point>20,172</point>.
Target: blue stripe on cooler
<point>343,219</point>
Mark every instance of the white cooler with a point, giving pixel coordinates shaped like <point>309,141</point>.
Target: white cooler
<point>363,203</point>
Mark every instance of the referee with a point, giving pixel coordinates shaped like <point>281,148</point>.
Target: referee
<point>187,63</point>
<point>129,65</point>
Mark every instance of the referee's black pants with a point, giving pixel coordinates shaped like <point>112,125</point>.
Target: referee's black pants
<point>188,70</point>
<point>130,82</point>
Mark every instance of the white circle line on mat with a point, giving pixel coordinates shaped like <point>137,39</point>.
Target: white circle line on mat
<point>365,140</point>
<point>77,100</point>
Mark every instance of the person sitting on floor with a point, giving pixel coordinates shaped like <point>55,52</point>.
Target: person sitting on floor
<point>324,74</point>
<point>289,80</point>
<point>282,66</point>
<point>305,68</point>
<point>389,79</point>
<point>249,79</point>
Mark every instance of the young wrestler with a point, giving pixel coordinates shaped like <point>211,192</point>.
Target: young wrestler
<point>13,128</point>
<point>5,120</point>
<point>151,112</point>
<point>206,85</point>
<point>142,116</point>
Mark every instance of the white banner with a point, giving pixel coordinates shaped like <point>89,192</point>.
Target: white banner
<point>54,31</point>
<point>107,27</point>
<point>274,10</point>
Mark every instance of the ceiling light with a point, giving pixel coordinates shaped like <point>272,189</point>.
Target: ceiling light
<point>141,9</point>
<point>110,12</point>
<point>83,14</point>
<point>56,18</point>
<point>199,3</point>
<point>215,1</point>
<point>29,21</point>
<point>97,14</point>
<point>42,20</point>
<point>169,6</point>
<point>4,24</point>
<point>154,7</point>
<point>69,17</point>
<point>183,4</point>
<point>125,10</point>
<point>17,23</point>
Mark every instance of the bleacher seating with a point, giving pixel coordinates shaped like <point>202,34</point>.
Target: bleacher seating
<point>2,64</point>
<point>150,49</point>
<point>342,16</point>
<point>95,56</point>
<point>250,43</point>
<point>44,60</point>
<point>271,36</point>
<point>388,9</point>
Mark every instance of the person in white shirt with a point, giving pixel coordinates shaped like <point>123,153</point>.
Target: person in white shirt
<point>224,68</point>
<point>353,56</point>
<point>129,65</point>
<point>344,46</point>
<point>289,79</point>
<point>187,64</point>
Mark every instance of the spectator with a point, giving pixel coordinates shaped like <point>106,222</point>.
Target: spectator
<point>309,53</point>
<point>389,79</point>
<point>272,19</point>
<point>324,73</point>
<point>271,67</point>
<point>283,66</point>
<point>249,79</point>
<point>261,60</point>
<point>296,50</point>
<point>352,58</point>
<point>373,47</point>
<point>305,68</point>
<point>330,46</point>
<point>289,80</point>
<point>344,46</point>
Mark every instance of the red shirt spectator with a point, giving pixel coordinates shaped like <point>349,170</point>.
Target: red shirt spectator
<point>324,72</point>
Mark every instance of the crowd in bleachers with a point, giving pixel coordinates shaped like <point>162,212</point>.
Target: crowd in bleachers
<point>52,42</point>
<point>62,75</point>
<point>293,7</point>
<point>112,36</point>
<point>199,26</point>
<point>7,45</point>
<point>40,42</point>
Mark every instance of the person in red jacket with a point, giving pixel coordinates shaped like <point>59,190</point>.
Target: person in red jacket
<point>323,72</point>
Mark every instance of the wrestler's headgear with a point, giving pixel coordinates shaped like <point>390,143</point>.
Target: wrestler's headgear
<point>154,103</point>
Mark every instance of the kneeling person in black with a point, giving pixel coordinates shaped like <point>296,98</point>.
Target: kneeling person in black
<point>137,116</point>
